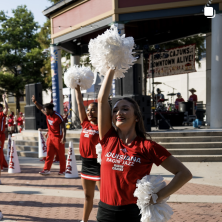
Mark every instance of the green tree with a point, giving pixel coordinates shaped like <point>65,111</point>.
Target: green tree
<point>44,39</point>
<point>20,53</point>
<point>54,1</point>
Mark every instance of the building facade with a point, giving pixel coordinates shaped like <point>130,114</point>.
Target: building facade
<point>74,23</point>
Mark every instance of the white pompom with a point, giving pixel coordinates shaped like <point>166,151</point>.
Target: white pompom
<point>146,187</point>
<point>79,75</point>
<point>99,152</point>
<point>112,50</point>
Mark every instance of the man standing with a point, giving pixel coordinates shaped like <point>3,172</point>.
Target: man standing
<point>179,99</point>
<point>56,137</point>
<point>3,115</point>
<point>193,98</point>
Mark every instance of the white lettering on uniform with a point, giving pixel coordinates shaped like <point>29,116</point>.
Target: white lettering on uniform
<point>50,122</point>
<point>90,132</point>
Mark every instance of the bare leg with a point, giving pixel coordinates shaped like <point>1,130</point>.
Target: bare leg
<point>89,188</point>
<point>98,185</point>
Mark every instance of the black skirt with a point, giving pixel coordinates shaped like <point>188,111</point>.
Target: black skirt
<point>108,213</point>
<point>90,169</point>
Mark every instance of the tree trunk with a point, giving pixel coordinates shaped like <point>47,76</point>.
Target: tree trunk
<point>17,102</point>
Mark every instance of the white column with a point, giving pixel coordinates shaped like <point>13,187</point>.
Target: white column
<point>57,83</point>
<point>75,60</point>
<point>216,74</point>
<point>208,77</point>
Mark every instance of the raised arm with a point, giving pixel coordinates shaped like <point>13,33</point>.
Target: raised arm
<point>39,106</point>
<point>5,111</point>
<point>81,107</point>
<point>104,114</point>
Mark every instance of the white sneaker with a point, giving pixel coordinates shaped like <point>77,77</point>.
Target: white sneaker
<point>1,215</point>
<point>45,172</point>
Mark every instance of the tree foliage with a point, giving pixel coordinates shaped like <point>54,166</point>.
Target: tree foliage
<point>54,1</point>
<point>21,57</point>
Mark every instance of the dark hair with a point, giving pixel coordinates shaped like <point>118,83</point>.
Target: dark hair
<point>1,105</point>
<point>48,106</point>
<point>94,103</point>
<point>140,129</point>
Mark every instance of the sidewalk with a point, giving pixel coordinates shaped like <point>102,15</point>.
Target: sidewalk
<point>29,196</point>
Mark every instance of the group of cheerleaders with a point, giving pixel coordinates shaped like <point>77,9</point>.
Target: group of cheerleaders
<point>15,123</point>
<point>12,124</point>
<point>128,154</point>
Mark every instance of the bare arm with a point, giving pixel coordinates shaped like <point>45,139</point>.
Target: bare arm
<point>182,176</point>
<point>104,115</point>
<point>43,130</point>
<point>62,124</point>
<point>81,107</point>
<point>5,111</point>
<point>38,105</point>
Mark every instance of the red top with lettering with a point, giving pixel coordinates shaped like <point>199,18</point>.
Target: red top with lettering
<point>177,102</point>
<point>193,98</point>
<point>19,121</point>
<point>89,138</point>
<point>123,165</point>
<point>2,122</point>
<point>10,122</point>
<point>53,123</point>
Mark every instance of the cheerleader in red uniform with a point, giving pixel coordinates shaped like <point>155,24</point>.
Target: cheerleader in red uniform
<point>20,122</point>
<point>89,138</point>
<point>127,155</point>
<point>11,126</point>
<point>3,115</point>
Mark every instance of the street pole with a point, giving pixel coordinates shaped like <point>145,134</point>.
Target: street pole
<point>153,80</point>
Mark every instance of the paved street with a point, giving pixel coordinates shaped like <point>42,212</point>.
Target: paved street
<point>28,196</point>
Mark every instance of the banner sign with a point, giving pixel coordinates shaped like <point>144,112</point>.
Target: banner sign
<point>55,78</point>
<point>175,61</point>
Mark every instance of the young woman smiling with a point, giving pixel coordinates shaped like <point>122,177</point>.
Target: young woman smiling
<point>89,138</point>
<point>127,155</point>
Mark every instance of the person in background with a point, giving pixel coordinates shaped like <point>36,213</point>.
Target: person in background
<point>20,122</point>
<point>65,116</point>
<point>15,121</point>
<point>193,98</point>
<point>159,95</point>
<point>179,99</point>
<point>3,115</point>
<point>56,137</point>
<point>11,126</point>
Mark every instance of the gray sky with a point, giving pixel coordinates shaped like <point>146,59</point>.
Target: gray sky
<point>35,6</point>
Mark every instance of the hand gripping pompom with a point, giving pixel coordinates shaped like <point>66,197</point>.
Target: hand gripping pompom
<point>99,152</point>
<point>146,187</point>
<point>112,50</point>
<point>79,75</point>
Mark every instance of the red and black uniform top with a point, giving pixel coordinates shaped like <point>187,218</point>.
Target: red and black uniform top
<point>89,138</point>
<point>20,121</point>
<point>123,165</point>
<point>53,123</point>
<point>11,120</point>
<point>2,122</point>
